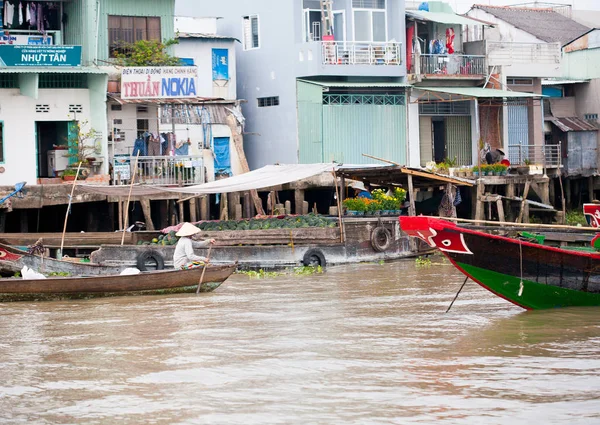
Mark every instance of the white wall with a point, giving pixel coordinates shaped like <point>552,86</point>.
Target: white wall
<point>414,145</point>
<point>129,115</point>
<point>19,116</point>
<point>201,51</point>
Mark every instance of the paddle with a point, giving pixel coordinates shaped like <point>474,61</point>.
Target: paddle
<point>204,269</point>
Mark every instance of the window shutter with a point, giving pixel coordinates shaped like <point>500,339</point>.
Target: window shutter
<point>154,30</point>
<point>255,41</point>
<point>140,29</point>
<point>114,30</point>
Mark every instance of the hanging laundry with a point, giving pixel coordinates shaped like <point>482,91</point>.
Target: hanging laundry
<point>28,14</point>
<point>450,40</point>
<point>20,13</point>
<point>33,14</point>
<point>9,14</point>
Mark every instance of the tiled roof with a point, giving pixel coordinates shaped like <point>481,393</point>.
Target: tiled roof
<point>545,24</point>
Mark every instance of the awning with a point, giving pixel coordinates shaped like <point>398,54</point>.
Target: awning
<point>443,18</point>
<point>454,94</point>
<point>184,101</point>
<point>572,124</point>
<point>265,177</point>
<point>52,70</point>
<point>560,82</point>
<point>393,174</point>
<point>350,84</point>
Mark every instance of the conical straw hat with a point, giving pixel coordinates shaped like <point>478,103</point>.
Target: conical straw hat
<point>187,230</point>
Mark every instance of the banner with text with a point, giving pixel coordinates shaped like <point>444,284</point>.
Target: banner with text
<point>13,55</point>
<point>155,82</point>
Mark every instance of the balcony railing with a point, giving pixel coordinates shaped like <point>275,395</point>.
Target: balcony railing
<point>511,53</point>
<point>159,170</point>
<point>548,156</point>
<point>454,64</point>
<point>355,53</point>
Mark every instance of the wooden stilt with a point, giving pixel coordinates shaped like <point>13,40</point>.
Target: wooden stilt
<point>479,210</point>
<point>568,192</point>
<point>193,210</point>
<point>237,211</point>
<point>181,211</point>
<point>145,203</point>
<point>248,207</point>
<point>591,196</point>
<point>500,208</point>
<point>510,193</point>
<point>524,202</point>
<point>412,210</point>
<point>205,208</point>
<point>298,200</point>
<point>526,213</point>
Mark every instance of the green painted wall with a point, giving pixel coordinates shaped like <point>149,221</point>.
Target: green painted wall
<point>582,64</point>
<point>310,123</point>
<point>80,28</point>
<point>165,9</point>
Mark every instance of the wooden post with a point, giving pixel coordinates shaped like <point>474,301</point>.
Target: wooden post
<point>193,210</point>
<point>298,201</point>
<point>591,188</point>
<point>500,207</point>
<point>120,212</point>
<point>145,203</point>
<point>568,192</point>
<point>238,211</point>
<point>172,214</point>
<point>524,202</point>
<point>304,207</point>
<point>181,211</point>
<point>62,240</point>
<point>288,207</point>
<point>510,193</point>
<point>526,213</point>
<point>205,208</point>
<point>479,210</point>
<point>238,143</point>
<point>224,214</point>
<point>248,213</point>
<point>126,220</point>
<point>412,210</point>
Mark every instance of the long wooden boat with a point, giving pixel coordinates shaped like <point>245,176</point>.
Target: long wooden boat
<point>530,275</point>
<point>121,284</point>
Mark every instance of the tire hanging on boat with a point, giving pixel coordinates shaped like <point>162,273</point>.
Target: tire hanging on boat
<point>146,258</point>
<point>381,239</point>
<point>314,257</point>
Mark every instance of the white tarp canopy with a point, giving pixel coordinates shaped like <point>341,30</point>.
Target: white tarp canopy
<point>267,176</point>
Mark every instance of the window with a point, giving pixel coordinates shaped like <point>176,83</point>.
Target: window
<point>142,127</point>
<point>116,107</point>
<point>591,117</point>
<point>142,109</point>
<point>519,81</point>
<point>268,101</point>
<point>370,20</point>
<point>250,32</point>
<point>9,81</point>
<point>1,142</point>
<point>126,30</point>
<point>63,81</point>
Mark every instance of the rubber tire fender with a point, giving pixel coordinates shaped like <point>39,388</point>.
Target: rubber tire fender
<point>381,239</point>
<point>313,256</point>
<point>148,256</point>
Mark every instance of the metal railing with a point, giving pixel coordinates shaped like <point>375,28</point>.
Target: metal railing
<point>158,170</point>
<point>548,156</point>
<point>511,53</point>
<point>356,53</point>
<point>454,64</point>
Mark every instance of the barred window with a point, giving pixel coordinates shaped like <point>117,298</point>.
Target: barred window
<point>368,4</point>
<point>363,99</point>
<point>250,32</point>
<point>268,101</point>
<point>591,117</point>
<point>126,30</point>
<point>63,81</point>
<point>9,81</point>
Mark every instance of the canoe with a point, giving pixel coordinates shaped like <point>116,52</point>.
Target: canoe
<point>12,261</point>
<point>530,275</point>
<point>121,284</point>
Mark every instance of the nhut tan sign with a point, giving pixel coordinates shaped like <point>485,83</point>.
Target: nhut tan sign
<point>159,82</point>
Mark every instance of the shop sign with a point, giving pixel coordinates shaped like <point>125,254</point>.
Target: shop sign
<point>122,167</point>
<point>220,64</point>
<point>155,82</point>
<point>13,55</point>
<point>23,40</point>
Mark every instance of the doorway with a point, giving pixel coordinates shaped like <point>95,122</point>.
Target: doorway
<point>49,135</point>
<point>439,139</point>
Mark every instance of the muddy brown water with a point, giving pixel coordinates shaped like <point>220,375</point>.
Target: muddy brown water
<point>360,344</point>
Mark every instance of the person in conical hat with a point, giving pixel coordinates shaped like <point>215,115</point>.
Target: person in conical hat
<point>360,191</point>
<point>184,256</point>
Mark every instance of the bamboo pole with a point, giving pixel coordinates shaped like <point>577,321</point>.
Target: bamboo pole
<point>204,269</point>
<point>508,223</point>
<point>62,239</point>
<point>126,221</point>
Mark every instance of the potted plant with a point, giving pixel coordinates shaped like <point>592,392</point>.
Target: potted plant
<point>355,206</point>
<point>69,174</point>
<point>82,145</point>
<point>501,169</point>
<point>373,206</point>
<point>476,171</point>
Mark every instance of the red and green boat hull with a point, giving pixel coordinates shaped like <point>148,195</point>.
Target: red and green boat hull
<point>530,275</point>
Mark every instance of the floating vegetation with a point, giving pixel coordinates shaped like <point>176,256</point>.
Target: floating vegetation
<point>297,271</point>
<point>423,262</point>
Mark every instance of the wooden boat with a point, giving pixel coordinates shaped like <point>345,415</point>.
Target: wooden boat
<point>530,275</point>
<point>12,261</point>
<point>145,282</point>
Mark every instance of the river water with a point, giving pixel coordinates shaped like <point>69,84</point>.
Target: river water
<point>360,344</point>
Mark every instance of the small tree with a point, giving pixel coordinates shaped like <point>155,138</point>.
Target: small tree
<point>80,148</point>
<point>146,53</point>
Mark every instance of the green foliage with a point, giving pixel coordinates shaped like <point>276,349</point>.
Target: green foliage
<point>58,274</point>
<point>423,262</point>
<point>355,204</point>
<point>576,218</point>
<point>307,270</point>
<point>70,172</point>
<point>83,145</point>
<point>260,274</point>
<point>527,161</point>
<point>146,53</point>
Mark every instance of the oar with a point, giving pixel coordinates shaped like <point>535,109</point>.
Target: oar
<point>461,288</point>
<point>204,270</point>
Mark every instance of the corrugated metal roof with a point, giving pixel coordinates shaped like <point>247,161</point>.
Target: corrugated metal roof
<point>443,18</point>
<point>356,84</point>
<point>573,124</point>
<point>560,82</point>
<point>51,70</point>
<point>476,92</point>
<point>188,101</point>
<point>205,36</point>
<point>545,24</point>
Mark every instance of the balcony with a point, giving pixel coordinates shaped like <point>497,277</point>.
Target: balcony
<point>450,66</point>
<point>520,59</point>
<point>350,58</point>
<point>159,170</point>
<point>546,156</point>
<point>354,53</point>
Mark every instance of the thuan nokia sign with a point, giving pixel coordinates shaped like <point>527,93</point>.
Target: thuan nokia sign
<point>173,82</point>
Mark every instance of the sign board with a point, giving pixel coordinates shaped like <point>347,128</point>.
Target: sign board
<point>159,82</point>
<point>22,39</point>
<point>31,55</point>
<point>122,167</point>
<point>220,64</point>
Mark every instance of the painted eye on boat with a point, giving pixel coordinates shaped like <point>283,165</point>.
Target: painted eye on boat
<point>446,242</point>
